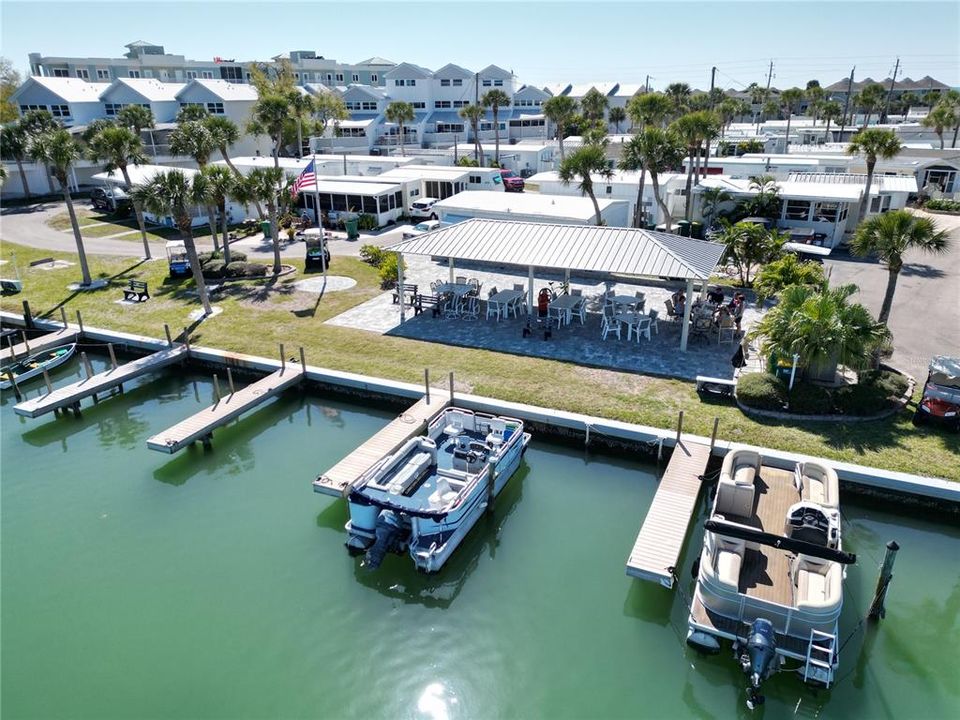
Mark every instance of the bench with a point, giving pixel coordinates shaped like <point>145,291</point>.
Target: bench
<point>715,386</point>
<point>406,290</point>
<point>428,301</point>
<point>136,290</point>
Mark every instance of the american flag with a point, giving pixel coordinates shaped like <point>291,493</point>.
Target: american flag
<point>307,177</point>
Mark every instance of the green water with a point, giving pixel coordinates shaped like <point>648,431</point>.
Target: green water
<point>217,585</point>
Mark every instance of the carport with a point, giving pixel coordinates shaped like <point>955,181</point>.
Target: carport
<point>606,251</point>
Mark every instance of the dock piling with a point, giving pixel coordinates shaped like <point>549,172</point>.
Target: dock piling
<point>426,384</point>
<point>186,339</point>
<point>451,387</point>
<point>27,316</point>
<point>679,426</point>
<point>877,609</point>
<point>113,356</point>
<point>80,321</point>
<point>63,317</point>
<point>216,387</point>
<point>166,330</point>
<point>713,435</point>
<point>283,359</point>
<point>26,344</point>
<point>46,379</point>
<point>230,380</point>
<point>303,361</point>
<point>86,365</point>
<point>16,388</point>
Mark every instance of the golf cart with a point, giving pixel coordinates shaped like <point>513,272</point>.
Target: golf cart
<point>177,261</point>
<point>318,253</point>
<point>941,394</point>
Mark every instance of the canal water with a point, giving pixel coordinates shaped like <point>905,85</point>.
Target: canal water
<point>215,585</point>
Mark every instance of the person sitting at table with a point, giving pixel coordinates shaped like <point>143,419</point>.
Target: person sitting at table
<point>715,296</point>
<point>722,312</point>
<point>679,300</point>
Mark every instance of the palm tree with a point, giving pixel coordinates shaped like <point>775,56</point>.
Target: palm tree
<point>59,151</point>
<point>872,143</point>
<point>173,193</point>
<point>822,327</point>
<point>269,117</point>
<point>594,105</point>
<point>679,94</point>
<point>814,95</point>
<point>870,99</point>
<point>400,113</point>
<point>831,111</point>
<point>328,108</point>
<point>192,113</point>
<point>582,164</point>
<point>302,108</point>
<point>693,128</point>
<point>263,184</point>
<point>136,117</point>
<point>617,115</point>
<point>649,109</point>
<point>15,143</point>
<point>727,110</point>
<point>560,111</point>
<point>789,100</point>
<point>942,116</point>
<point>889,236</point>
<point>473,114</point>
<point>711,200</point>
<point>221,181</point>
<point>36,123</point>
<point>776,276</point>
<point>750,245</point>
<point>495,99</point>
<point>652,150</point>
<point>766,202</point>
<point>117,148</point>
<point>193,139</point>
<point>952,99</point>
<point>224,133</point>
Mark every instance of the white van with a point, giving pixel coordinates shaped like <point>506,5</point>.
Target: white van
<point>422,209</point>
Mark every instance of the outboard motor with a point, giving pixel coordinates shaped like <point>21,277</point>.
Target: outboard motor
<point>759,660</point>
<point>391,537</point>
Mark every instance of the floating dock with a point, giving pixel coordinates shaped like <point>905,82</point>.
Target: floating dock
<point>44,342</point>
<point>338,480</point>
<point>202,425</point>
<point>71,395</point>
<point>656,552</point>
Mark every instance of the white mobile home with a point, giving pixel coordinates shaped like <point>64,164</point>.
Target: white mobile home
<point>532,207</point>
<point>436,181</point>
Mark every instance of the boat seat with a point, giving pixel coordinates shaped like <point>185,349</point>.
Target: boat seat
<point>819,484</point>
<point>734,499</point>
<point>818,583</point>
<point>413,470</point>
<point>729,560</point>
<point>442,496</point>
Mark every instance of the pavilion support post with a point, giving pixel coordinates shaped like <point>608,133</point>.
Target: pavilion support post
<point>450,264</point>
<point>566,278</point>
<point>530,291</point>
<point>685,330</point>
<point>400,293</point>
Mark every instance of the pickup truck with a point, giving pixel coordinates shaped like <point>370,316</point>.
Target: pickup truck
<point>511,181</point>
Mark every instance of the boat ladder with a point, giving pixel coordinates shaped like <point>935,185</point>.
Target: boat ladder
<point>821,656</point>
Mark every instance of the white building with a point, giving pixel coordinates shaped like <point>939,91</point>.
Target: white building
<point>158,97</point>
<point>231,100</point>
<point>71,101</point>
<point>531,207</point>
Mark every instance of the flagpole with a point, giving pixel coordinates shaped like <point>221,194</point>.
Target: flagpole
<point>316,205</point>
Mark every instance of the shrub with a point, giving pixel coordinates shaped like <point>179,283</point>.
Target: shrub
<point>366,221</point>
<point>761,391</point>
<point>214,269</point>
<point>861,399</point>
<point>239,268</point>
<point>894,384</point>
<point>943,204</point>
<point>372,254</point>
<point>389,272</point>
<point>810,399</point>
<point>206,257</point>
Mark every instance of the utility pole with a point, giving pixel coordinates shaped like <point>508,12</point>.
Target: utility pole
<point>766,94</point>
<point>846,103</point>
<point>713,79</point>
<point>893,81</point>
<point>476,132</point>
<point>646,85</point>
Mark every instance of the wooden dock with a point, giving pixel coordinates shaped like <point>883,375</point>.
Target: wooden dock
<point>65,336</point>
<point>338,480</point>
<point>658,546</point>
<point>201,425</point>
<point>71,395</point>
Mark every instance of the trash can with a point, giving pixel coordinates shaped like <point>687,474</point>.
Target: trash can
<point>683,228</point>
<point>265,227</point>
<point>696,230</point>
<point>351,227</point>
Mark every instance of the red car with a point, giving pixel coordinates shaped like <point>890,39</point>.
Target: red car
<point>941,394</point>
<point>511,181</point>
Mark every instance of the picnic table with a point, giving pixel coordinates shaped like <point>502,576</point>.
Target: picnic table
<point>627,301</point>
<point>458,289</point>
<point>563,307</point>
<point>635,322</point>
<point>502,300</point>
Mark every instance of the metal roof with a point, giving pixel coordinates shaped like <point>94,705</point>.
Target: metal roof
<point>623,251</point>
<point>886,183</point>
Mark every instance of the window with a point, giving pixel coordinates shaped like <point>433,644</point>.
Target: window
<point>133,73</point>
<point>399,83</point>
<point>83,74</point>
<point>355,77</point>
<point>148,73</point>
<point>103,74</point>
<point>111,109</point>
<point>449,127</point>
<point>419,105</point>
<point>475,179</point>
<point>61,72</point>
<point>498,83</point>
<point>445,83</point>
<point>458,82</point>
<point>487,83</point>
<point>461,103</point>
<point>829,212</point>
<point>206,74</point>
<point>235,74</point>
<point>797,210</point>
<point>374,78</point>
<point>411,82</point>
<point>28,108</point>
<point>369,204</point>
<point>353,132</point>
<point>215,108</point>
<point>191,74</point>
<point>63,111</point>
<point>441,104</point>
<point>880,204</point>
<point>609,189</point>
<point>339,77</point>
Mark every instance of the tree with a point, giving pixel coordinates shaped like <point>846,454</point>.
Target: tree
<point>473,114</point>
<point>889,236</point>
<point>223,133</point>
<point>693,128</point>
<point>36,123</point>
<point>679,94</point>
<point>9,82</point>
<point>815,96</point>
<point>872,143</point>
<point>593,105</point>
<point>117,148</point>
<point>302,108</point>
<point>711,200</point>
<point>617,115</point>
<point>727,110</point>
<point>652,150</point>
<point>262,184</point>
<point>952,99</point>
<point>400,113</point>
<point>941,117</point>
<point>193,112</point>
<point>649,109</point>
<point>15,143</point>
<point>193,139</point>
<point>59,151</point>
<point>136,117</point>
<point>582,164</point>
<point>776,276</point>
<point>750,244</point>
<point>870,99</point>
<point>560,111</point>
<point>822,326</point>
<point>222,182</point>
<point>495,99</point>
<point>328,108</point>
<point>269,117</point>
<point>789,100</point>
<point>831,111</point>
<point>175,194</point>
<point>94,127</point>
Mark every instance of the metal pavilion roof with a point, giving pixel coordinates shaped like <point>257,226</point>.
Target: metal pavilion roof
<point>623,251</point>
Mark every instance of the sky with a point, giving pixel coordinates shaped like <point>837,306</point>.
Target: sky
<point>541,42</point>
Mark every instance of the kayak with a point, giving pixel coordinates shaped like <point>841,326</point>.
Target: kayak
<point>34,365</point>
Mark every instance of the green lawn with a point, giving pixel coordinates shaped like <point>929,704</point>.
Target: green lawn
<point>256,318</point>
<point>126,228</point>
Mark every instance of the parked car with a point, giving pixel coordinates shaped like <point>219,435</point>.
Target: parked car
<point>422,209</point>
<point>511,181</point>
<point>421,228</point>
<point>111,199</point>
<point>941,394</point>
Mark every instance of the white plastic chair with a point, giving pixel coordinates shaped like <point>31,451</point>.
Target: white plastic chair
<point>653,315</point>
<point>471,310</point>
<point>493,308</point>
<point>642,328</point>
<point>461,279</point>
<point>580,310</point>
<point>609,326</point>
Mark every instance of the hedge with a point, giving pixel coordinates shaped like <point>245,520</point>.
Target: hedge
<point>809,399</point>
<point>214,269</point>
<point>943,204</point>
<point>235,256</point>
<point>762,391</point>
<point>239,268</point>
<point>861,399</point>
